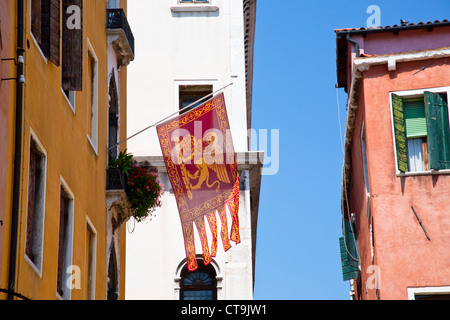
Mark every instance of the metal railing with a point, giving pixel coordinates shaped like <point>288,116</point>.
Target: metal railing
<point>116,19</point>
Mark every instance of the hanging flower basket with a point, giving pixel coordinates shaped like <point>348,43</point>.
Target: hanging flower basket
<point>143,189</point>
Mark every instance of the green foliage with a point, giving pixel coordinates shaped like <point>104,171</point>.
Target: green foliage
<point>143,189</point>
<point>124,162</point>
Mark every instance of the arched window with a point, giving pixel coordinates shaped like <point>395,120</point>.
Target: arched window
<point>200,284</point>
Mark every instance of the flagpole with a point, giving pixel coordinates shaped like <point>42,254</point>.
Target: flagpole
<point>170,116</point>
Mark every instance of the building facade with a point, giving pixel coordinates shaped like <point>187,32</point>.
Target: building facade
<point>200,47</point>
<point>67,105</point>
<point>7,99</point>
<point>396,242</point>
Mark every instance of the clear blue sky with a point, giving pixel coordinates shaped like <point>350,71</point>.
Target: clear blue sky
<point>294,91</point>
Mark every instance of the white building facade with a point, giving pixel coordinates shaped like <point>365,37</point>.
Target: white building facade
<point>189,49</point>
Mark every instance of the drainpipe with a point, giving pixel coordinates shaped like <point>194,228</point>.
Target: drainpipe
<point>17,150</point>
<point>355,43</point>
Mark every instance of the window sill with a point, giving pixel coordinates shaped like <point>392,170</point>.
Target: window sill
<point>423,173</point>
<point>194,8</point>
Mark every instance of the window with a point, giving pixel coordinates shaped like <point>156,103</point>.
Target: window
<point>200,284</point>
<point>45,27</point>
<point>364,157</point>
<point>113,4</point>
<point>189,94</point>
<point>113,116</point>
<point>92,97</point>
<point>70,96</point>
<point>429,293</point>
<point>91,253</point>
<point>36,204</point>
<point>65,241</point>
<point>421,131</point>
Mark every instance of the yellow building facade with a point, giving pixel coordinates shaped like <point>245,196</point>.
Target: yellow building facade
<point>62,235</point>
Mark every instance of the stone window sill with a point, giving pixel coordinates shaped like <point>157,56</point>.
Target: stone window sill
<point>194,8</point>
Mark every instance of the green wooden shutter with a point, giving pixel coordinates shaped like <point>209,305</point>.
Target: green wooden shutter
<point>414,113</point>
<point>349,252</point>
<point>400,133</point>
<point>438,131</point>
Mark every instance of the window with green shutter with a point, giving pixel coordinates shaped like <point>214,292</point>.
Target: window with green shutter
<point>421,132</point>
<point>349,251</point>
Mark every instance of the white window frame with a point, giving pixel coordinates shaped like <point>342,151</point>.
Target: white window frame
<point>219,278</point>
<point>412,292</point>
<point>91,274</point>
<point>414,94</point>
<point>38,268</point>
<point>190,82</point>
<point>194,6</point>
<point>71,99</point>
<point>67,295</point>
<point>93,139</point>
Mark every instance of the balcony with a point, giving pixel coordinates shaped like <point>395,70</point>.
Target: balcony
<point>116,198</point>
<point>120,36</point>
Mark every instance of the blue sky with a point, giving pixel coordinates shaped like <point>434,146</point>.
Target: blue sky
<point>297,254</point>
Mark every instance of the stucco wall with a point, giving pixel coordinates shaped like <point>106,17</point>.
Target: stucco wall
<point>405,257</point>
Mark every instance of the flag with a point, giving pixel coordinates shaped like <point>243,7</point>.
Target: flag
<point>201,164</point>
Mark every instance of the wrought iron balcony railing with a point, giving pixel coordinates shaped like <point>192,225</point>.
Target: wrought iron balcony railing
<point>116,19</point>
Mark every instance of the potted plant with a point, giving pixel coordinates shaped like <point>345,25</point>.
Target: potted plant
<point>143,189</point>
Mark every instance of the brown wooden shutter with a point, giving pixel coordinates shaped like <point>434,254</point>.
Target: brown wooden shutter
<point>55,33</point>
<point>36,19</point>
<point>72,50</point>
<point>45,27</point>
<point>50,29</point>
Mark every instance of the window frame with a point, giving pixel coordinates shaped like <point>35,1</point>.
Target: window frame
<point>48,42</point>
<point>200,91</point>
<point>67,295</point>
<point>427,291</point>
<point>71,98</point>
<point>91,270</point>
<point>33,138</point>
<point>209,270</point>
<point>93,107</point>
<point>415,93</point>
<point>33,36</point>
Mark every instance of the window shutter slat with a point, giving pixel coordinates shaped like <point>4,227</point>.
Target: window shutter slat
<point>72,50</point>
<point>400,133</point>
<point>349,252</point>
<point>55,33</point>
<point>438,131</point>
<point>45,27</point>
<point>36,19</point>
<point>416,124</point>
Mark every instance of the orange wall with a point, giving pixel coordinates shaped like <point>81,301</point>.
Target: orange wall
<point>405,257</point>
<point>63,134</point>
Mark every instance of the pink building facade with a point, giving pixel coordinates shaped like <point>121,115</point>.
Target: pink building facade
<point>396,175</point>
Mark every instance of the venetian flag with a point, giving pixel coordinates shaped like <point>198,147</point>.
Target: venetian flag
<point>201,164</point>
